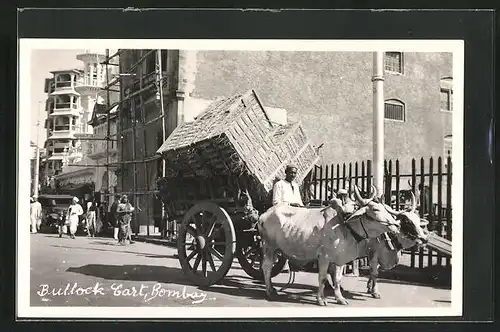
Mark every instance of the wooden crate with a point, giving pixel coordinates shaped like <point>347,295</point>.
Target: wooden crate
<point>234,136</point>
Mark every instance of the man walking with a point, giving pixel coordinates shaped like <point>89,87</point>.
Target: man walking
<point>124,214</point>
<point>287,190</point>
<point>91,217</point>
<point>113,216</point>
<point>73,216</point>
<point>35,214</point>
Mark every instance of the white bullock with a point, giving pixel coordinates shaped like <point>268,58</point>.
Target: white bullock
<point>384,250</point>
<point>321,234</point>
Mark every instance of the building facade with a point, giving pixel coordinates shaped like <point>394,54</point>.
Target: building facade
<point>72,95</point>
<point>329,92</point>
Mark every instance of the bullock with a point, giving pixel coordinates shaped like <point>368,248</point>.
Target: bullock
<point>304,235</point>
<point>384,250</point>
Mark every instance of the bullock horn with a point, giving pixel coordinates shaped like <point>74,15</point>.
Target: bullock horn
<point>362,201</point>
<point>413,202</point>
<point>391,211</point>
<point>423,222</point>
<point>374,193</point>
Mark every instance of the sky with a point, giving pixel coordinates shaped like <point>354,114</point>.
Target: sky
<point>42,63</point>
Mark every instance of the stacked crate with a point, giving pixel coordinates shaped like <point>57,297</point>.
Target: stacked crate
<point>234,136</point>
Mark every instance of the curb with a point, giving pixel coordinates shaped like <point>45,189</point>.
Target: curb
<point>160,242</point>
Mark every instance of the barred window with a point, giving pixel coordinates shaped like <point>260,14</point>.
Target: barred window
<point>394,62</point>
<point>394,110</point>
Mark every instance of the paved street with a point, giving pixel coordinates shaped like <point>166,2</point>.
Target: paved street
<point>98,272</point>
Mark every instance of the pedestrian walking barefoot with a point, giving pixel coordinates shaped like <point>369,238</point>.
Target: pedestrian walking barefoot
<point>124,212</point>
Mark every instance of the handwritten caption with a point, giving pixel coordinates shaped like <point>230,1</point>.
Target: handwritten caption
<point>119,290</point>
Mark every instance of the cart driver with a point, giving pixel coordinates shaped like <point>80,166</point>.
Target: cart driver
<point>348,205</point>
<point>287,190</point>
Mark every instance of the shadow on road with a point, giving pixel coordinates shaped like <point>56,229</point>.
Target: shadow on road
<point>152,273</point>
<point>234,285</point>
<point>435,276</point>
<point>256,290</point>
<point>149,255</point>
<point>400,280</point>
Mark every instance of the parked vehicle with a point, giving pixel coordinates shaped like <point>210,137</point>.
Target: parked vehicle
<point>54,208</point>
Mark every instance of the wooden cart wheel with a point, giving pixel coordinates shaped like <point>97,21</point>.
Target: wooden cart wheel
<point>250,259</point>
<point>206,243</point>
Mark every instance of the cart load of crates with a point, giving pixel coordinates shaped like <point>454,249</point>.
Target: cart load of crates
<point>234,137</point>
<point>220,172</point>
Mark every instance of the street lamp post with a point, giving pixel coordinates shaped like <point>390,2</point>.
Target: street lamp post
<point>37,155</point>
<point>378,121</point>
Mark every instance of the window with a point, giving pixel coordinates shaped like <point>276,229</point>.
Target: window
<point>394,110</point>
<point>63,101</point>
<point>446,94</point>
<point>49,85</point>
<point>63,80</point>
<point>394,62</point>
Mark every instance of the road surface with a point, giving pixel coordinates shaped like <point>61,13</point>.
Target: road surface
<point>99,272</point>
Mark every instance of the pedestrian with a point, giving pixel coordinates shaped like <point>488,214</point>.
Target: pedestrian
<point>124,214</point>
<point>91,217</point>
<point>287,190</point>
<point>113,216</point>
<point>73,216</point>
<point>35,214</point>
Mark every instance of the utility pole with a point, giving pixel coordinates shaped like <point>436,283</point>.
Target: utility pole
<point>378,121</point>
<point>37,155</point>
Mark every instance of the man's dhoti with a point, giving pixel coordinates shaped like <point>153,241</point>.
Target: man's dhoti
<point>34,224</point>
<point>73,224</point>
<point>91,222</point>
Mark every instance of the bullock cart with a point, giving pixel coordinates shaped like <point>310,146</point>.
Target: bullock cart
<point>220,170</point>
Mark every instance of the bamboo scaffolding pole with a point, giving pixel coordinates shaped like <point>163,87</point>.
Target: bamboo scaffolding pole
<point>133,112</point>
<point>145,146</point>
<point>119,128</point>
<point>117,53</point>
<point>108,129</point>
<point>162,115</point>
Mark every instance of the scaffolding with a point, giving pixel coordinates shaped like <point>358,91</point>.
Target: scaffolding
<point>127,136</point>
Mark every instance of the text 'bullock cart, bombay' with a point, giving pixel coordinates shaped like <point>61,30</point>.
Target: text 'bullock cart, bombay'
<point>220,171</point>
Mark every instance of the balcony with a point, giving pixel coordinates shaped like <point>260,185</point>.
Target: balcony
<point>63,84</point>
<point>61,132</point>
<point>64,109</point>
<point>87,81</point>
<point>58,128</point>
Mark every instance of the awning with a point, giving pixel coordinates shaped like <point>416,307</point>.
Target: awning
<point>65,92</point>
<point>74,188</point>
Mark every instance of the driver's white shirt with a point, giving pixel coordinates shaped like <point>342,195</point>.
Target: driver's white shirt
<point>285,191</point>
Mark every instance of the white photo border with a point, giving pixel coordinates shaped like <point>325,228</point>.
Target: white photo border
<point>27,45</point>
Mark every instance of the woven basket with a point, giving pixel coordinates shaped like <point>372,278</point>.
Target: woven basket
<point>234,136</point>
